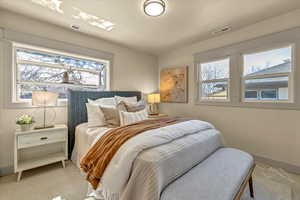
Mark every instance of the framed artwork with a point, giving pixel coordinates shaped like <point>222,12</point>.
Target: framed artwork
<point>173,85</point>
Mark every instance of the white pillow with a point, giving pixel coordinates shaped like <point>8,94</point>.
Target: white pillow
<point>131,100</point>
<point>131,117</point>
<point>95,116</point>
<point>104,101</point>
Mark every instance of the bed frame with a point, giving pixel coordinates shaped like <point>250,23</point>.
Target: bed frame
<point>77,112</point>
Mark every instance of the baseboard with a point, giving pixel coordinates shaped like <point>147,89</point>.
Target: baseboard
<point>4,171</point>
<point>278,164</point>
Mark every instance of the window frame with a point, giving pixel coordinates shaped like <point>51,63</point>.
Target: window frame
<point>8,37</point>
<point>261,43</point>
<point>290,75</point>
<point>200,81</point>
<point>52,52</point>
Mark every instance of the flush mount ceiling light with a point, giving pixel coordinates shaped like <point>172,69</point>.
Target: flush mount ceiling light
<point>154,7</point>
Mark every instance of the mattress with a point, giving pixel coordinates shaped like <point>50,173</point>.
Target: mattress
<point>84,138</point>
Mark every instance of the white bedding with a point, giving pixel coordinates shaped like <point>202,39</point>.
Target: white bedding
<point>148,162</point>
<point>84,138</point>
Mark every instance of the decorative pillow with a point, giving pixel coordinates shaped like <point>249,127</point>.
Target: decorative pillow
<point>121,106</point>
<point>111,116</point>
<point>104,101</point>
<point>95,116</point>
<point>132,100</point>
<point>131,117</point>
<point>130,107</point>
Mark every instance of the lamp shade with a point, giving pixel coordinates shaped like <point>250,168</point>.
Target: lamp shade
<point>44,98</point>
<point>154,98</point>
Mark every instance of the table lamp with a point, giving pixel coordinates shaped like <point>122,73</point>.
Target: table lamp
<point>153,100</point>
<point>44,99</point>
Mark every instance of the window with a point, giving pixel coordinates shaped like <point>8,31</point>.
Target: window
<point>53,71</point>
<point>214,80</point>
<point>268,94</point>
<point>249,94</point>
<point>269,74</point>
<point>258,73</point>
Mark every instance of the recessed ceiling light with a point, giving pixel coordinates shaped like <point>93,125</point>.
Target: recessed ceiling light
<point>154,7</point>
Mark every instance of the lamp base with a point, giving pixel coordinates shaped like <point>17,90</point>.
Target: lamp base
<point>153,114</point>
<point>43,127</point>
<point>153,109</point>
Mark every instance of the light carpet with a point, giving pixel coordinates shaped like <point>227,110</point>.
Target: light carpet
<point>46,183</point>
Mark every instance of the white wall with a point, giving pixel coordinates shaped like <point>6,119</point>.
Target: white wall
<point>273,134</point>
<point>132,70</point>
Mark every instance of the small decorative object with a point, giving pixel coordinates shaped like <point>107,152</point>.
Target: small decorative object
<point>154,7</point>
<point>58,198</point>
<point>65,77</point>
<point>25,122</point>
<point>44,99</point>
<point>153,100</point>
<point>173,85</point>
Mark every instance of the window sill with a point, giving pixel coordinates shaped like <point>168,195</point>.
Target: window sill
<point>257,105</point>
<point>20,105</point>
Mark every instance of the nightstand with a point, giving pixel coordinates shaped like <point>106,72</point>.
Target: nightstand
<point>157,116</point>
<point>41,147</point>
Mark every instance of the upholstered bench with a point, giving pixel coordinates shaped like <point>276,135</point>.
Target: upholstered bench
<point>222,176</point>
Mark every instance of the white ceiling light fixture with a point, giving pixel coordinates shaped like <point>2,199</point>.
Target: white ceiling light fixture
<point>154,8</point>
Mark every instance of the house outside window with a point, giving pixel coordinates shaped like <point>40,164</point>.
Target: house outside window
<point>40,69</point>
<point>268,74</point>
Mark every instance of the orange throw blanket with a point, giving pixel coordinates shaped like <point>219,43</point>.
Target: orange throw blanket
<point>97,159</point>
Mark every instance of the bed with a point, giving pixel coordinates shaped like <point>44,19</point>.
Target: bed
<point>85,137</point>
<point>77,113</point>
<point>150,163</point>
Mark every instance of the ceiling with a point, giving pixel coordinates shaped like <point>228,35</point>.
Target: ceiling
<point>184,22</point>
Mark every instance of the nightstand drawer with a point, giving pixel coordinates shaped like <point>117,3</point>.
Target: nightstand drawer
<point>36,139</point>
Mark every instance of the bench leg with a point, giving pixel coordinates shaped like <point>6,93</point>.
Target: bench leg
<point>63,164</point>
<point>19,176</point>
<point>251,187</point>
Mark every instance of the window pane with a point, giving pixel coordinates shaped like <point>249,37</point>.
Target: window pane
<point>85,64</point>
<point>216,90</point>
<point>267,85</point>
<point>268,62</point>
<point>268,94</point>
<point>40,74</point>
<point>85,78</point>
<point>55,75</point>
<point>34,56</point>
<point>81,73</point>
<point>215,70</point>
<point>251,95</point>
<point>24,91</point>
